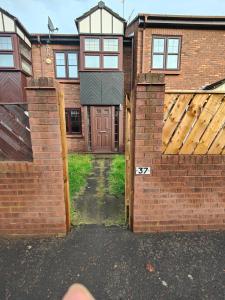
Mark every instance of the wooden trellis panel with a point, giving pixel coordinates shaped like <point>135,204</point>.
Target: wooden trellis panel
<point>15,139</point>
<point>194,122</point>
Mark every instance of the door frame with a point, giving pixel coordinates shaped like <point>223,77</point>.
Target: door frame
<point>112,112</point>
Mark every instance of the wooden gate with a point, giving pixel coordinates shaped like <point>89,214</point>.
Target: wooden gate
<point>194,122</point>
<point>129,138</point>
<point>61,108</point>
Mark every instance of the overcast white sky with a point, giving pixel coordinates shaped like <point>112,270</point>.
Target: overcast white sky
<point>33,14</point>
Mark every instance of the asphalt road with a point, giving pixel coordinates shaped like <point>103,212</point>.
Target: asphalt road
<point>115,264</point>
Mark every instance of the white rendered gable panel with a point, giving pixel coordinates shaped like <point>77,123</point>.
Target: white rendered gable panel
<point>27,41</point>
<point>118,27</point>
<point>1,23</point>
<point>8,23</point>
<point>84,25</point>
<point>20,33</point>
<point>106,22</point>
<point>96,21</point>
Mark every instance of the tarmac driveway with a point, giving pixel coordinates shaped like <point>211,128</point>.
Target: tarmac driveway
<point>115,264</point>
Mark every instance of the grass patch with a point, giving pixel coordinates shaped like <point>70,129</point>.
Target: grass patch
<point>79,166</point>
<point>117,176</point>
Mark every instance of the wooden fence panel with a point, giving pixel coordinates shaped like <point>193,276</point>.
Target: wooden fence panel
<point>194,122</point>
<point>15,139</point>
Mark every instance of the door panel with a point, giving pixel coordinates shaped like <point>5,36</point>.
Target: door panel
<point>102,128</point>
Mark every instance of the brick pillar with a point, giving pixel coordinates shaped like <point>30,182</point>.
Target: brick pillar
<point>32,193</point>
<point>150,92</point>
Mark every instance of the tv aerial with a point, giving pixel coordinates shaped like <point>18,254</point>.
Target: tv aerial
<point>51,27</point>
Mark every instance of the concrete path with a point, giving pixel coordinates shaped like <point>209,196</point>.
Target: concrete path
<point>115,264</point>
<point>95,205</point>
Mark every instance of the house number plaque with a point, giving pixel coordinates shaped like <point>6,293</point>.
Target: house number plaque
<point>143,170</point>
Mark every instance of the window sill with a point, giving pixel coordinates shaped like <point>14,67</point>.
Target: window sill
<point>166,72</point>
<point>68,80</point>
<point>74,136</point>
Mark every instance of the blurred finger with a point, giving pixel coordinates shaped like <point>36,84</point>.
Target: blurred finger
<point>78,292</point>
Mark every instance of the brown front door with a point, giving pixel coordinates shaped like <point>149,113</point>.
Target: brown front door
<point>102,128</point>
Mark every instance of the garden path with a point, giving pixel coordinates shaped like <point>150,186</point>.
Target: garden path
<point>94,204</point>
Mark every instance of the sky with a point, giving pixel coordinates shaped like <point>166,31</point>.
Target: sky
<point>33,14</point>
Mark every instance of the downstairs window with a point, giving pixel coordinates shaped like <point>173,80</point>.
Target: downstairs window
<point>73,121</point>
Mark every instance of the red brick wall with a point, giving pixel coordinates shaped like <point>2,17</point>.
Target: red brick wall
<point>71,88</point>
<point>32,193</point>
<point>201,60</point>
<point>183,192</point>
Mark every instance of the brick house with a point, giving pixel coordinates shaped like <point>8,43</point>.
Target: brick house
<point>98,66</point>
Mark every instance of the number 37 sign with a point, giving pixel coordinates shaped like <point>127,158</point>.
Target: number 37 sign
<point>143,170</point>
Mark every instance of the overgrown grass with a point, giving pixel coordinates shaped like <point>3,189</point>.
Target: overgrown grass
<point>117,176</point>
<point>79,166</point>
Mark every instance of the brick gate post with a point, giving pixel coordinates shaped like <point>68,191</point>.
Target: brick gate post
<point>150,93</point>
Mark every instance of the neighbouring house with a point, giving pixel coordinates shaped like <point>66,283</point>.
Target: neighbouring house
<point>98,66</point>
<point>189,50</point>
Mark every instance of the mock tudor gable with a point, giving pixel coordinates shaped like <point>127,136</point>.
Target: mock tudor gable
<point>100,20</point>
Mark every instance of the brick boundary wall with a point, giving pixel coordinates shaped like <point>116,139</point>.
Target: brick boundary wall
<point>32,193</point>
<point>183,192</point>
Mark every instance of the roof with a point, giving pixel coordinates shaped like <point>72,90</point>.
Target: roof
<point>65,39</point>
<point>69,39</point>
<point>100,5</point>
<point>17,21</point>
<point>179,21</point>
<point>214,85</point>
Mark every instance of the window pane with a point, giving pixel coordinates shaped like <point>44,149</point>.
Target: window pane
<point>67,121</point>
<point>110,62</point>
<point>75,121</point>
<point>92,61</point>
<point>60,71</point>
<point>158,61</point>
<point>72,59</point>
<point>6,60</point>
<point>173,45</point>
<point>60,59</point>
<point>92,44</point>
<point>73,72</point>
<point>5,43</point>
<point>111,45</point>
<point>172,62</point>
<point>26,52</point>
<point>158,45</point>
<point>26,66</point>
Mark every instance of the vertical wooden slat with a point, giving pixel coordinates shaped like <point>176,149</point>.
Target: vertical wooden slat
<point>61,107</point>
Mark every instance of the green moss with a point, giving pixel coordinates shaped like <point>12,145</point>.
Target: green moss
<point>117,176</point>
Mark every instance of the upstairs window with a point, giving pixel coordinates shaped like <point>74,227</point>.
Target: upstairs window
<point>6,43</point>
<point>92,44</point>
<point>92,61</point>
<point>166,53</point>
<point>110,61</point>
<point>73,120</point>
<point>66,65</point>
<point>101,53</point>
<point>111,45</point>
<point>6,52</point>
